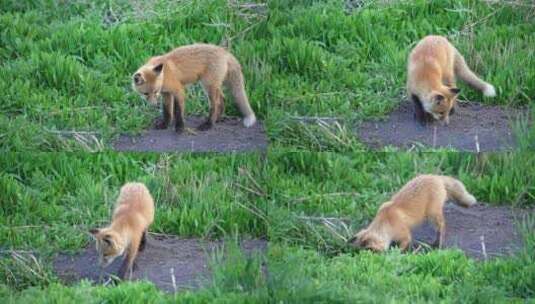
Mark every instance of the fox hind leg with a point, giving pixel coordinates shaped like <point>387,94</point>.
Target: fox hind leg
<point>440,226</point>
<point>216,99</point>
<point>221,107</point>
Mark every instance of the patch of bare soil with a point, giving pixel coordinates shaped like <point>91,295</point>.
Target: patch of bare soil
<point>189,259</point>
<point>227,135</point>
<point>466,226</point>
<point>491,125</point>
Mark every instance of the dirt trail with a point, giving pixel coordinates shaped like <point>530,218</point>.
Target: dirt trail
<point>465,226</point>
<point>491,124</point>
<point>226,136</point>
<point>189,258</point>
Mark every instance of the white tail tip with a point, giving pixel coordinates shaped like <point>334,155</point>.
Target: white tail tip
<point>489,91</point>
<point>249,120</point>
<point>471,200</point>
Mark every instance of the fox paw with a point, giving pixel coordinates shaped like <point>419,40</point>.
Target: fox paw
<point>179,129</point>
<point>205,126</point>
<point>160,124</point>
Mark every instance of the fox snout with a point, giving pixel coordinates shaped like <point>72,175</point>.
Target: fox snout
<point>153,99</point>
<point>352,241</point>
<point>104,262</point>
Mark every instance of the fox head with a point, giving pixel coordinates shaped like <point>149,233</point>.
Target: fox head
<point>440,103</point>
<point>109,245</point>
<point>147,81</point>
<point>365,239</point>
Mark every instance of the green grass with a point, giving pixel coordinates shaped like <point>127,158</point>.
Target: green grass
<point>67,68</point>
<point>304,276</point>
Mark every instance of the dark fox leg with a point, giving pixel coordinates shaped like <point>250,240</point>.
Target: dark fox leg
<point>405,243</point>
<point>179,101</point>
<point>143,241</point>
<point>167,112</point>
<point>419,113</point>
<point>123,269</point>
<point>129,261</point>
<point>221,107</point>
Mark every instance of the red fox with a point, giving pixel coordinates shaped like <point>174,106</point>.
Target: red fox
<point>420,199</point>
<point>433,65</point>
<point>133,214</point>
<point>168,75</point>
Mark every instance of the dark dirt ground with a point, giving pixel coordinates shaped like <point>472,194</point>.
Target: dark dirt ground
<point>188,257</point>
<point>226,136</point>
<point>492,125</point>
<point>465,226</point>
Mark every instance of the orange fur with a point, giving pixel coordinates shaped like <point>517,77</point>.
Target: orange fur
<point>133,215</point>
<point>433,66</point>
<point>212,65</point>
<point>420,199</point>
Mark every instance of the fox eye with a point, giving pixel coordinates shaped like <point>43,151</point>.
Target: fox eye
<point>146,94</point>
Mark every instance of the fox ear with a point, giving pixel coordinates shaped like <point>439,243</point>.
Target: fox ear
<point>158,69</point>
<point>138,79</point>
<point>93,232</point>
<point>455,91</point>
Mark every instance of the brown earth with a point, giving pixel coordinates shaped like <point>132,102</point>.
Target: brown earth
<point>227,135</point>
<point>466,226</point>
<point>189,259</point>
<point>491,124</point>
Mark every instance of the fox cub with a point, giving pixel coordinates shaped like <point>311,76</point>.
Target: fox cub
<point>420,199</point>
<point>168,75</point>
<point>133,215</point>
<point>433,65</point>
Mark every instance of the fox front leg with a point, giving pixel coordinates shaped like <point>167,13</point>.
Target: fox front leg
<point>167,111</point>
<point>100,274</point>
<point>143,241</point>
<point>419,113</point>
<point>130,258</point>
<point>124,269</point>
<point>179,104</point>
